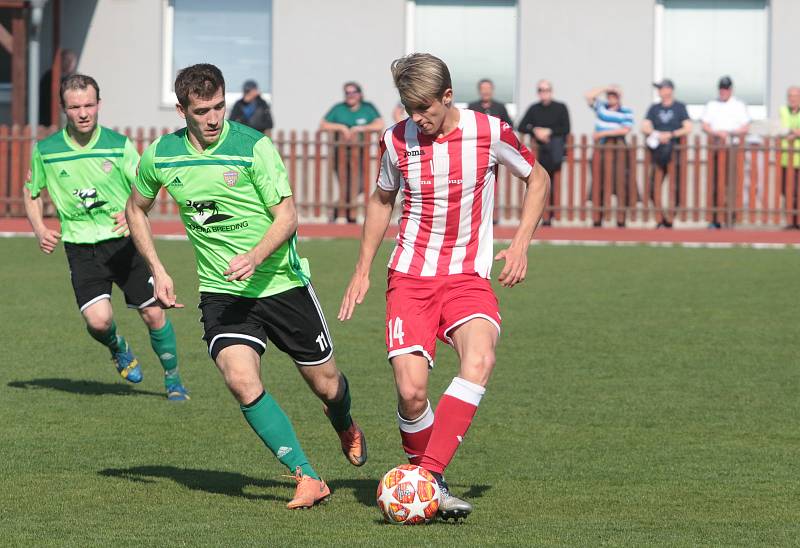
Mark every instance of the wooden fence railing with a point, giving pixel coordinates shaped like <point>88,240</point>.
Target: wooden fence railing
<point>744,184</point>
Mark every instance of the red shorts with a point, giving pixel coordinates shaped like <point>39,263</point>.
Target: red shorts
<point>420,309</point>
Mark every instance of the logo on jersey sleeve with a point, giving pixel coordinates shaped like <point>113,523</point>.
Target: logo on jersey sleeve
<point>206,212</point>
<point>88,198</point>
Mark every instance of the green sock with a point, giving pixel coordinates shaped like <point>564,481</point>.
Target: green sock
<point>339,411</point>
<point>274,428</point>
<point>166,348</point>
<point>108,338</point>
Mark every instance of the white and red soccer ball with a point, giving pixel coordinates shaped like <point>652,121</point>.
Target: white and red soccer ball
<point>408,495</point>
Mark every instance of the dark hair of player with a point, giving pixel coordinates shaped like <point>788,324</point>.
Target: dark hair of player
<point>202,80</point>
<point>77,81</point>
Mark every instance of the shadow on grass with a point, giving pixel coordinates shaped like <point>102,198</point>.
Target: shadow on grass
<point>233,484</point>
<point>83,387</point>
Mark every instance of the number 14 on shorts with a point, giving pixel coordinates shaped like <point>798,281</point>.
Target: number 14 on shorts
<point>395,328</point>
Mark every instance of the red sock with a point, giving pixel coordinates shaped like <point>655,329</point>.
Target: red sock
<point>415,434</point>
<point>453,417</point>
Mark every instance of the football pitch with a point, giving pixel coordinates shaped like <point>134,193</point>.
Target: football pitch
<point>642,397</point>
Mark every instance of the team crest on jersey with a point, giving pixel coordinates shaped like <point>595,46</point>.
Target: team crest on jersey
<point>88,198</point>
<point>107,166</point>
<point>230,177</point>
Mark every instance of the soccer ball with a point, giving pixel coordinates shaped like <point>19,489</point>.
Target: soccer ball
<point>408,495</point>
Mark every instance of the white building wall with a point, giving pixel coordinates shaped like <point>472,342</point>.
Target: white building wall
<point>784,65</point>
<point>320,44</point>
<point>578,45</point>
<point>119,43</point>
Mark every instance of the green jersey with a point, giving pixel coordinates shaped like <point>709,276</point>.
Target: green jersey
<point>224,194</point>
<point>87,184</point>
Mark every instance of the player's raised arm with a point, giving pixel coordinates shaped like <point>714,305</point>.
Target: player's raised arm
<point>136,213</point>
<point>378,216</point>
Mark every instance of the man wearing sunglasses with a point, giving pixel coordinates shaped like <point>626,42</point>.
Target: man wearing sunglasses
<point>348,121</point>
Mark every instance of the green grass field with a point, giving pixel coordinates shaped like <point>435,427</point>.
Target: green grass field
<point>642,397</point>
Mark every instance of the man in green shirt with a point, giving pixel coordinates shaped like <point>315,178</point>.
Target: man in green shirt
<point>88,171</point>
<point>348,121</point>
<point>236,204</point>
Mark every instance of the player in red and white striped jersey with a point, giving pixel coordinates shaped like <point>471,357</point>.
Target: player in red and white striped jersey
<point>444,160</point>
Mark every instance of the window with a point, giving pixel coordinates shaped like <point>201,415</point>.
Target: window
<point>702,40</point>
<point>235,35</point>
<point>476,38</point>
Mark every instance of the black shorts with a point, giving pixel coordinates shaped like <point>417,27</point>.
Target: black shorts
<point>292,320</point>
<point>94,267</point>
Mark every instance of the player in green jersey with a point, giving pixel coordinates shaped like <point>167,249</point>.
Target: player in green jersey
<point>236,204</point>
<point>88,171</point>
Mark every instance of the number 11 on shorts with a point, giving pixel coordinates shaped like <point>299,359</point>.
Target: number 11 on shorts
<point>322,341</point>
<point>396,332</point>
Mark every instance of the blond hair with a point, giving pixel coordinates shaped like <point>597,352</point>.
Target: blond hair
<point>421,79</point>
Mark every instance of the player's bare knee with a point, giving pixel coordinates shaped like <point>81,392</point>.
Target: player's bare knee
<point>477,367</point>
<point>246,393</point>
<point>244,388</point>
<point>411,409</point>
<point>153,317</point>
<point>412,400</point>
<point>99,323</point>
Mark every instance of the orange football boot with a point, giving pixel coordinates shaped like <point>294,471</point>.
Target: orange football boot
<point>309,491</point>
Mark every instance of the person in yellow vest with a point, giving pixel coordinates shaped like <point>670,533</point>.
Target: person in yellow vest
<point>790,125</point>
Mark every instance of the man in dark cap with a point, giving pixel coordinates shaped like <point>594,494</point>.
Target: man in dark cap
<point>252,110</point>
<point>725,121</point>
<point>666,122</point>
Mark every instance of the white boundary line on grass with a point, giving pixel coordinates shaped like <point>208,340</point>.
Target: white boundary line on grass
<point>586,243</point>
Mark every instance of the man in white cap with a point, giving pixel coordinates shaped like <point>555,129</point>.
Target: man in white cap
<point>725,121</point>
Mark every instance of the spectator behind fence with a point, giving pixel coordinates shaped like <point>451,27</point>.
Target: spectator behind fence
<point>548,123</point>
<point>349,120</point>
<point>252,110</point>
<point>613,122</point>
<point>487,104</point>
<point>790,126</point>
<point>725,121</point>
<point>666,122</point>
<point>69,64</point>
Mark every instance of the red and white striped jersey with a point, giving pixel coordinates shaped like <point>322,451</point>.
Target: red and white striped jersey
<point>448,192</point>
